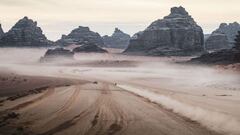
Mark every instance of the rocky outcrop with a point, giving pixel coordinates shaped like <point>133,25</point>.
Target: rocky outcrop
<point>230,30</point>
<point>237,42</point>
<point>223,37</point>
<point>118,39</point>
<point>175,34</point>
<point>217,41</point>
<point>224,56</point>
<point>25,33</point>
<point>89,48</point>
<point>57,53</point>
<point>1,31</point>
<point>79,35</point>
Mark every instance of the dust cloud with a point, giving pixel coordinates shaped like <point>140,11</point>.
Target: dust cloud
<point>198,86</point>
<point>213,120</point>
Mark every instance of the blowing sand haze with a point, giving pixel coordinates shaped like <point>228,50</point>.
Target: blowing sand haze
<point>169,78</point>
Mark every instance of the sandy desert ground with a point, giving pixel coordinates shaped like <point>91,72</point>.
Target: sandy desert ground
<point>108,94</point>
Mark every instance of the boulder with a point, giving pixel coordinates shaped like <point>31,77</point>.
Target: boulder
<point>79,35</point>
<point>53,54</point>
<point>89,48</point>
<point>25,33</point>
<point>1,31</point>
<point>175,34</point>
<point>118,39</point>
<point>223,37</point>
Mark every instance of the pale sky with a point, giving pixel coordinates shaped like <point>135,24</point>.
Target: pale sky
<point>57,17</point>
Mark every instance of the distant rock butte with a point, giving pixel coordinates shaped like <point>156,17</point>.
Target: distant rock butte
<point>118,39</point>
<point>223,37</point>
<point>89,48</point>
<point>230,30</point>
<point>79,35</point>
<point>1,31</point>
<point>25,33</point>
<point>223,56</point>
<point>57,53</point>
<point>175,34</point>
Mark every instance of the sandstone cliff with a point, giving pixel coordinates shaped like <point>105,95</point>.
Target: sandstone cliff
<point>175,34</point>
<point>118,39</point>
<point>79,35</point>
<point>223,37</point>
<point>25,33</point>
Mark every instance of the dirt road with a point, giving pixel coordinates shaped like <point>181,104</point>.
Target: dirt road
<point>92,109</point>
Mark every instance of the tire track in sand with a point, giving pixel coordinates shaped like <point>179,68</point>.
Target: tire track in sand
<point>103,124</point>
<point>103,107</point>
<point>66,106</point>
<point>35,101</point>
<point>28,104</point>
<point>30,121</point>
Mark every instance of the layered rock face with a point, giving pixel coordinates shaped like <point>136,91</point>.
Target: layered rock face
<point>206,36</point>
<point>224,56</point>
<point>25,33</point>
<point>118,39</point>
<point>230,30</point>
<point>217,41</point>
<point>175,34</point>
<point>89,48</point>
<point>237,42</point>
<point>223,37</point>
<point>1,31</point>
<point>79,35</point>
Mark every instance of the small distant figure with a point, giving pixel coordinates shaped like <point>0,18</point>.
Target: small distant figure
<point>95,82</point>
<point>115,84</point>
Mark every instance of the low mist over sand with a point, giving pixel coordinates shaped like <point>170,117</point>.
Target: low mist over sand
<point>115,94</point>
<point>111,67</point>
<point>20,55</point>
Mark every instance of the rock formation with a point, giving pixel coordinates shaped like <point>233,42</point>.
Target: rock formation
<point>230,30</point>
<point>224,56</point>
<point>25,33</point>
<point>237,42</point>
<point>53,54</point>
<point>223,37</point>
<point>118,39</point>
<point>206,36</point>
<point>1,31</point>
<point>79,35</point>
<point>217,41</point>
<point>87,47</point>
<point>175,34</point>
